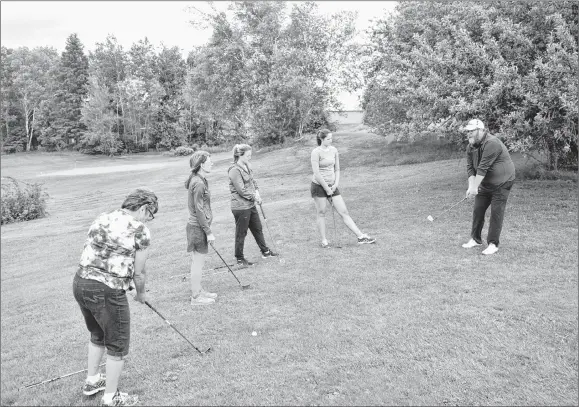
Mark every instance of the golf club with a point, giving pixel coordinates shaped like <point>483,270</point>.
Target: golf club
<point>56,378</point>
<point>430,218</point>
<point>171,325</point>
<point>270,235</point>
<point>338,245</point>
<point>243,287</point>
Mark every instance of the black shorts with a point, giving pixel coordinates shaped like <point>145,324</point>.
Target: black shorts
<point>318,191</point>
<point>196,239</point>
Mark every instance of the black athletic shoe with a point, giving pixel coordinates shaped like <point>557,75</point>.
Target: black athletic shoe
<point>244,263</point>
<point>267,254</point>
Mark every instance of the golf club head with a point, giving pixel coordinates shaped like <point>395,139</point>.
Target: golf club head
<point>430,218</point>
<point>208,350</point>
<point>246,287</point>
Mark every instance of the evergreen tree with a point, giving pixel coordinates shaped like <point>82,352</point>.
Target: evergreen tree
<point>64,124</point>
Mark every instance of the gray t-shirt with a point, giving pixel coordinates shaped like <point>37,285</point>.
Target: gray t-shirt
<point>326,160</point>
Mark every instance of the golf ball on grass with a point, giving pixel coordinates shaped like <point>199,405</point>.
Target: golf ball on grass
<point>254,333</point>
<point>430,218</point>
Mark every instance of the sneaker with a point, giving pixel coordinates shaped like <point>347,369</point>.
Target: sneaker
<point>470,244</point>
<point>267,254</point>
<point>207,294</point>
<point>492,249</point>
<point>201,300</point>
<point>325,245</point>
<point>365,239</point>
<point>89,389</point>
<point>244,263</point>
<point>121,399</point>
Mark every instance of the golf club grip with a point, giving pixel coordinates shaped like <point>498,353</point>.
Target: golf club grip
<point>158,313</point>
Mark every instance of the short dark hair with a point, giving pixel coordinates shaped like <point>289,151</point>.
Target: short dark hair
<point>139,197</point>
<point>322,134</point>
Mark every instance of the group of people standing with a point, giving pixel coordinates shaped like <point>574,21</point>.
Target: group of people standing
<point>115,252</point>
<point>244,197</point>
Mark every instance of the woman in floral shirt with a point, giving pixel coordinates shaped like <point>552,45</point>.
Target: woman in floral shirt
<point>112,262</point>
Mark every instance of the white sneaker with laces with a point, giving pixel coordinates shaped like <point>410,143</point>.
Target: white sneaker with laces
<point>470,244</point>
<point>492,249</point>
<point>201,300</point>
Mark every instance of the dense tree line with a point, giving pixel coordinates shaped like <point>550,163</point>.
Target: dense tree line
<point>433,65</point>
<point>271,71</point>
<point>267,73</point>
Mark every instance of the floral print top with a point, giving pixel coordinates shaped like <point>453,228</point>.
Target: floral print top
<point>109,251</point>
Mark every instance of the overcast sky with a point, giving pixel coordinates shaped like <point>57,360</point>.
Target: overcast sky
<point>49,23</point>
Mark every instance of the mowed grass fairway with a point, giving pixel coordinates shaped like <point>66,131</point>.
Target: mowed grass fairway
<point>414,319</point>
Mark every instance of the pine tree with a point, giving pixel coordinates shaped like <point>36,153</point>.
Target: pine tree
<point>72,80</point>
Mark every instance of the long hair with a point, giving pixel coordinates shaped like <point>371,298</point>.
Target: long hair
<point>139,197</point>
<point>239,150</point>
<point>195,161</point>
<point>321,135</point>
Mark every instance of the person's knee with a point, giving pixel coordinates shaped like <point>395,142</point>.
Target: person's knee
<point>321,213</point>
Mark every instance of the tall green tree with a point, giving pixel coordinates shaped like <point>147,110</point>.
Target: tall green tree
<point>11,129</point>
<point>63,125</point>
<point>33,84</point>
<point>171,72</point>
<point>108,64</point>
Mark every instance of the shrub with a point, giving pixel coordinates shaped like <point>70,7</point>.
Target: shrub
<point>183,150</point>
<point>22,202</point>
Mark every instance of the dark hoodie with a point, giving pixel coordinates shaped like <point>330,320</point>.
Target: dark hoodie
<point>242,187</point>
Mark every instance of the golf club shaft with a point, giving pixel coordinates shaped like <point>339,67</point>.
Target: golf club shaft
<point>171,325</point>
<point>229,268</point>
<point>268,231</point>
<point>456,204</point>
<point>59,377</point>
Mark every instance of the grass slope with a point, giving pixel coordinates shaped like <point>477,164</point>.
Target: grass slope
<point>412,320</point>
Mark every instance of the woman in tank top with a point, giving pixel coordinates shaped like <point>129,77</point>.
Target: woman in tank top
<point>326,167</point>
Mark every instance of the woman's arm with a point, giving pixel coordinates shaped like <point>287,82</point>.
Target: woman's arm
<point>239,185</point>
<point>140,275</point>
<point>198,190</point>
<point>336,171</point>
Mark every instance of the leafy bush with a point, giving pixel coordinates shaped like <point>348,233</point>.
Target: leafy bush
<point>22,202</point>
<point>183,150</point>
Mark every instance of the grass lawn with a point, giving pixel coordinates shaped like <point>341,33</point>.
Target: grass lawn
<point>411,320</point>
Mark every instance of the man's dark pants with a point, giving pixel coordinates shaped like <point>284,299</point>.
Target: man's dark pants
<point>497,200</point>
<point>247,219</point>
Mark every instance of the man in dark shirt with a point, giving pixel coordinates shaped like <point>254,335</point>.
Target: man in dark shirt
<point>491,174</point>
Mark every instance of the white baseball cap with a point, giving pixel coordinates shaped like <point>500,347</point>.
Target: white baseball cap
<point>473,125</point>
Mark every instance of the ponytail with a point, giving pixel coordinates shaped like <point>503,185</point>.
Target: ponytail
<point>239,150</point>
<point>195,161</point>
<point>321,135</point>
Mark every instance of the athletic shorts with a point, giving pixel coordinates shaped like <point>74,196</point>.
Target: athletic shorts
<point>106,314</point>
<point>196,239</point>
<point>318,191</point>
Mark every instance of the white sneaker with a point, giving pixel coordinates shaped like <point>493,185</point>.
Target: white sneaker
<point>492,249</point>
<point>470,244</point>
<point>207,294</point>
<point>201,300</point>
